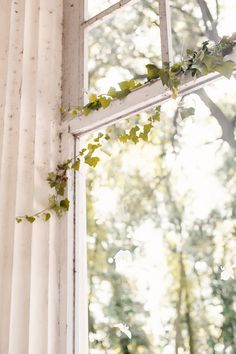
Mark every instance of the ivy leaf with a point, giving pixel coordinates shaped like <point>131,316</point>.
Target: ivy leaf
<point>30,219</point>
<point>156,117</point>
<point>211,61</point>
<point>52,179</point>
<point>176,68</point>
<point>46,216</point>
<point>146,130</point>
<point>82,151</point>
<point>86,111</point>
<point>118,94</point>
<point>92,161</point>
<point>19,220</point>
<point>65,165</point>
<point>153,72</point>
<point>200,55</point>
<point>93,98</point>
<point>124,138</point>
<point>112,92</point>
<point>93,147</point>
<point>164,76</point>
<point>76,165</point>
<point>186,112</point>
<point>65,203</point>
<point>75,111</point>
<point>105,102</point>
<point>127,85</point>
<point>226,69</point>
<point>133,134</point>
<point>200,68</point>
<point>100,135</point>
<point>60,187</point>
<point>122,94</point>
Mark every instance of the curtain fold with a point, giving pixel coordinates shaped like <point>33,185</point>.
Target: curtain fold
<point>30,100</point>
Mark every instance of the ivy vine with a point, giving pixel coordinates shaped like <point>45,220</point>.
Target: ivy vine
<point>209,58</point>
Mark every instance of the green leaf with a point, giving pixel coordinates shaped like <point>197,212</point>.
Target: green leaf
<point>201,68</point>
<point>19,220</point>
<point>112,92</point>
<point>82,151</point>
<point>52,179</point>
<point>93,147</point>
<point>226,69</point>
<point>146,130</point>
<point>211,61</point>
<point>92,161</point>
<point>153,72</point>
<point>46,216</point>
<point>30,219</point>
<point>164,76</point>
<point>100,135</point>
<point>76,165</point>
<point>176,68</point>
<point>156,117</point>
<point>133,134</point>
<point>124,138</point>
<point>64,166</point>
<point>127,85</point>
<point>122,94</point>
<point>60,187</point>
<point>200,55</point>
<point>65,203</point>
<point>93,98</point>
<point>105,102</point>
<point>86,111</point>
<point>74,112</point>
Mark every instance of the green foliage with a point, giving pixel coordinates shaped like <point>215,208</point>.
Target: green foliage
<point>153,72</point>
<point>76,165</point>
<point>30,219</point>
<point>201,62</point>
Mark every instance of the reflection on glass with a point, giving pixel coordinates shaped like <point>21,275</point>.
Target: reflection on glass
<point>161,234</point>
<point>120,48</point>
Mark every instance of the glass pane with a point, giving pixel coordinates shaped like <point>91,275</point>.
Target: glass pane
<point>94,7</point>
<point>197,20</point>
<point>161,234</point>
<point>120,48</point>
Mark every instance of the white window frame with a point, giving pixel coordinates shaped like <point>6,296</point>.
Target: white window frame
<point>75,80</point>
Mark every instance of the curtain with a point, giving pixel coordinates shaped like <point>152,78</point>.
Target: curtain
<point>32,316</point>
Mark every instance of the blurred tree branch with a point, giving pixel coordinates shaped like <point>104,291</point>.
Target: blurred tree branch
<point>227,125</point>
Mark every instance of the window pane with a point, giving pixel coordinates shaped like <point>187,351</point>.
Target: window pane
<point>120,48</point>
<point>94,7</point>
<point>197,20</point>
<point>161,234</point>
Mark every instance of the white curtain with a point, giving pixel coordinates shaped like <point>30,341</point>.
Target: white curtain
<point>32,314</point>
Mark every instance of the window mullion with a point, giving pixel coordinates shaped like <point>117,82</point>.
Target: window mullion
<point>80,255</point>
<point>104,15</point>
<point>80,238</point>
<point>165,29</point>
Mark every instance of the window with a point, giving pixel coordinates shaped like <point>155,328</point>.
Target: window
<point>93,37</point>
